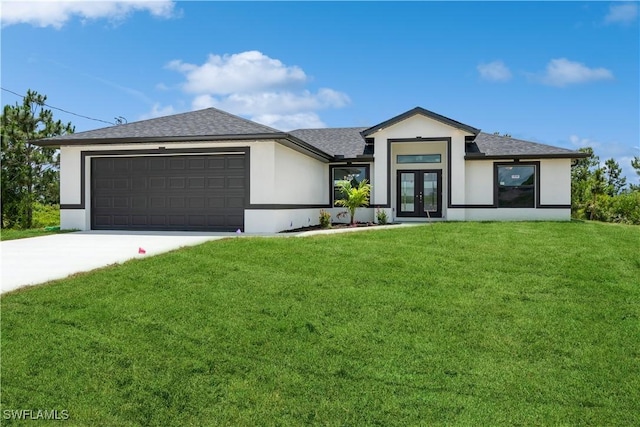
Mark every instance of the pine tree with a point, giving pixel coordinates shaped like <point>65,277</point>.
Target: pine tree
<point>30,173</point>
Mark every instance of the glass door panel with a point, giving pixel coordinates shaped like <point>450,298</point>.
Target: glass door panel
<point>430,192</point>
<point>419,193</point>
<point>407,192</point>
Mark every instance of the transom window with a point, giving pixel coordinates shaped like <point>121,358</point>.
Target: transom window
<point>516,186</point>
<point>354,174</point>
<point>419,158</point>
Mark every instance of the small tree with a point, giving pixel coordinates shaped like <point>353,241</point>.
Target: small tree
<point>354,197</point>
<point>29,172</point>
<point>635,164</point>
<point>615,181</point>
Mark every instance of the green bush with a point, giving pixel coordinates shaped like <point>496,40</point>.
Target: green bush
<point>623,208</point>
<point>46,215</point>
<point>325,219</point>
<point>381,216</point>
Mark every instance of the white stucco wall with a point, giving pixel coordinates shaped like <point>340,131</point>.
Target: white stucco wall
<point>555,181</point>
<point>516,214</point>
<point>413,127</point>
<point>299,179</point>
<point>69,173</point>
<point>479,182</point>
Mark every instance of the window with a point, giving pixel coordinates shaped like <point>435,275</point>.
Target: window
<point>418,158</point>
<point>354,174</point>
<point>516,186</point>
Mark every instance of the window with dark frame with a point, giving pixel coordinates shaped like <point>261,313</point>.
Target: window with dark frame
<point>418,158</point>
<point>354,174</point>
<point>516,185</point>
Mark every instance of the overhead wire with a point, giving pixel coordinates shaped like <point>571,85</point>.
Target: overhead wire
<point>61,109</point>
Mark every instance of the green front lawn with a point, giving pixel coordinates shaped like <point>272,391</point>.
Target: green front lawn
<point>472,324</point>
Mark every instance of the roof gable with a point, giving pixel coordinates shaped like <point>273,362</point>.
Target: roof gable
<point>423,112</point>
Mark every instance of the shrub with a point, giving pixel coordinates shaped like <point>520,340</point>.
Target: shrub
<point>624,208</point>
<point>46,215</point>
<point>381,216</point>
<point>325,219</point>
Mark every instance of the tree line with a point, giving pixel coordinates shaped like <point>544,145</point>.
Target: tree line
<point>600,192</point>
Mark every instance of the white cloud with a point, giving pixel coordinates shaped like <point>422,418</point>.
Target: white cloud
<point>289,122</point>
<point>53,13</point>
<point>241,72</point>
<point>622,13</point>
<point>259,103</point>
<point>562,72</point>
<point>261,88</point>
<point>578,142</point>
<point>157,111</point>
<point>494,71</point>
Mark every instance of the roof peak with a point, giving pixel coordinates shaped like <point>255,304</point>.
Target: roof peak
<point>424,112</point>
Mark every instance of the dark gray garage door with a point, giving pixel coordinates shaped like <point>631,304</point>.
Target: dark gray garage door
<point>191,193</point>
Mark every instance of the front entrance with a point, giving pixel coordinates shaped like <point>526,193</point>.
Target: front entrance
<point>419,193</point>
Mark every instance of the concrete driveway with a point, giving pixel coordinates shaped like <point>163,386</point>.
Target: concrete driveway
<point>40,259</point>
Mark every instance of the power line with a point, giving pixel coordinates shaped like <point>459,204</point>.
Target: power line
<point>61,109</point>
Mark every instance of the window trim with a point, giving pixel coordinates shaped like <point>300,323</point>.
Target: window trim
<point>536,184</point>
<point>367,174</point>
<point>398,162</point>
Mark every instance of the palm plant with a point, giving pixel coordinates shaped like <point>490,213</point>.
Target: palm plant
<point>354,197</point>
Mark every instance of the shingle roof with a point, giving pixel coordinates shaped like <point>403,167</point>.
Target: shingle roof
<point>347,142</point>
<point>496,145</point>
<point>209,122</point>
<point>213,124</point>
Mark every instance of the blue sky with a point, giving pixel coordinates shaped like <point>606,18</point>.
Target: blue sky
<point>561,73</point>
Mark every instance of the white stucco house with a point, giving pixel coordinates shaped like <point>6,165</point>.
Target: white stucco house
<point>209,170</point>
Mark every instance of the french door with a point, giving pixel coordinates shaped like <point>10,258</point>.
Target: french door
<point>419,193</point>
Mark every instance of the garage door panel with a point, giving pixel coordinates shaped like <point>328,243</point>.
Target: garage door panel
<point>202,192</point>
<point>158,220</point>
<point>197,163</point>
<point>120,202</point>
<point>156,163</point>
<point>176,163</point>
<point>235,163</point>
<point>216,163</point>
<point>235,183</point>
<point>139,220</point>
<point>157,183</point>
<point>196,183</point>
<point>176,183</point>
<point>102,202</point>
<point>138,202</point>
<point>176,202</point>
<point>215,182</point>
<point>234,202</point>
<point>139,183</point>
<point>120,220</point>
<point>157,202</point>
<point>197,202</point>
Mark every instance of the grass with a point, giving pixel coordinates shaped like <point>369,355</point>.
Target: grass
<point>454,324</point>
<point>14,234</point>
